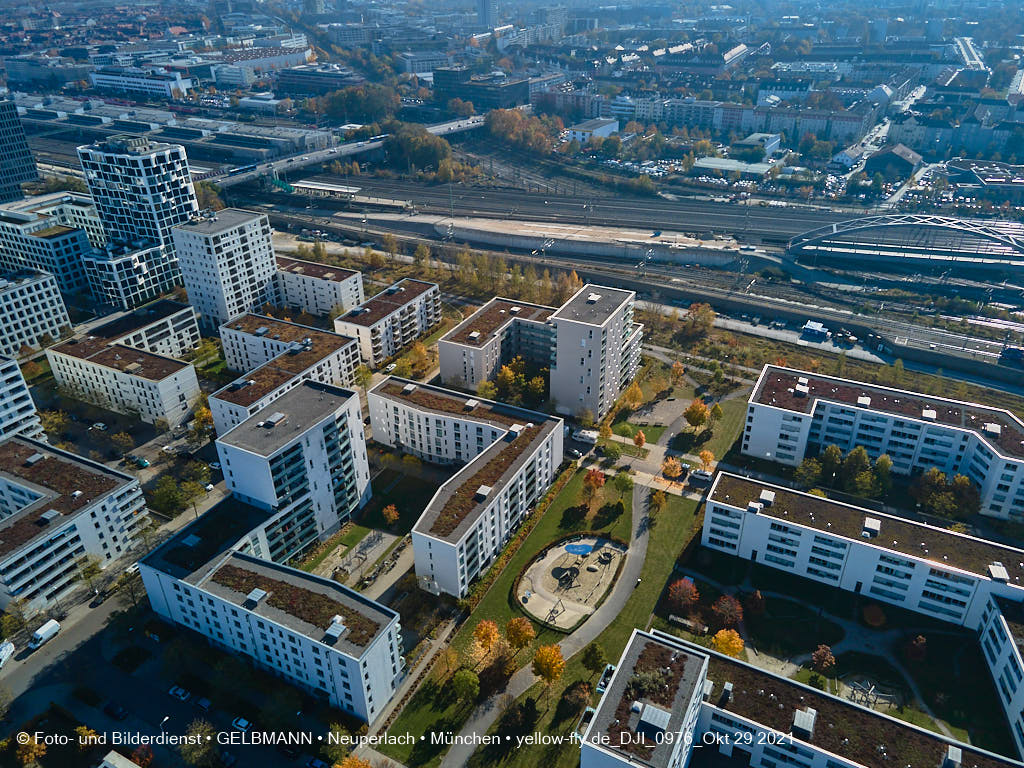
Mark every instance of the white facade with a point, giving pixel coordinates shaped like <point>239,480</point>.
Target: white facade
<point>597,350</point>
<point>140,82</point>
<point>392,319</point>
<point>792,414</point>
<point>499,331</point>
<point>304,453</point>
<point>43,237</point>
<point>318,289</point>
<point>728,712</point>
<point>277,356</point>
<point>468,522</point>
<point>948,576</point>
<point>227,264</point>
<point>18,415</point>
<point>56,508</point>
<point>31,308</point>
<point>130,365</point>
<point>357,677</point>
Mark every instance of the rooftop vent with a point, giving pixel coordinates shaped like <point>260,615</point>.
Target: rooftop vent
<point>515,310</point>
<point>803,380</point>
<point>754,507</point>
<point>997,572</point>
<point>726,694</point>
<point>474,336</point>
<point>593,298</point>
<point>872,527</point>
<point>653,722</point>
<point>767,498</point>
<point>993,430</point>
<point>75,494</point>
<point>253,598</point>
<point>515,431</point>
<point>48,516</point>
<point>275,418</point>
<point>803,723</point>
<point>954,756</point>
<point>408,389</point>
<point>470,404</point>
<point>482,492</point>
<point>929,414</point>
<point>709,686</point>
<point>335,630</point>
<point>864,401</point>
<point>34,459</point>
<point>801,390</point>
<point>261,331</point>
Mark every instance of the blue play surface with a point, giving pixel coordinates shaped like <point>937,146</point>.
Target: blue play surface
<point>579,549</point>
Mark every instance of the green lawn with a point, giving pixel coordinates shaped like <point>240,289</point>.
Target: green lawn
<point>719,438</point>
<point>430,709</point>
<point>651,431</point>
<point>628,449</point>
<point>676,526</point>
<point>352,536</point>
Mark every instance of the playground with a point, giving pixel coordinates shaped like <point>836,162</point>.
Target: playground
<point>566,583</point>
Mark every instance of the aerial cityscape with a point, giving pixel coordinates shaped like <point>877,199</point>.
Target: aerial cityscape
<point>477,384</point>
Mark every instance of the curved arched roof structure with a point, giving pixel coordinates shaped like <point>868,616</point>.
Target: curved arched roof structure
<point>901,242</point>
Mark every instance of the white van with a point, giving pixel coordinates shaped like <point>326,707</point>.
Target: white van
<point>44,634</point>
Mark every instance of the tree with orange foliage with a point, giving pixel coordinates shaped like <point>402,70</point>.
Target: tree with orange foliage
<point>390,514</point>
<point>671,468</point>
<point>639,439</point>
<point>593,482</point>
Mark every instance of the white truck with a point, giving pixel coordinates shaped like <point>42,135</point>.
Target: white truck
<point>44,634</point>
<point>588,436</point>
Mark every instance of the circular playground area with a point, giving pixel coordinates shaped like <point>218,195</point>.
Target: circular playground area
<point>565,584</point>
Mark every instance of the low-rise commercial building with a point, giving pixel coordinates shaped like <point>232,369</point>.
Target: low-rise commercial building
<point>671,703</point>
<point>793,414</point>
<point>318,289</point>
<point>131,364</point>
<point>148,83</point>
<point>277,356</point>
<point>216,577</point>
<point>31,311</point>
<point>56,508</point>
<point>510,456</point>
<point>600,127</point>
<point>388,322</point>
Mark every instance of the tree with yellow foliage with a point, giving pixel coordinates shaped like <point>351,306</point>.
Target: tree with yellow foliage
<point>520,632</point>
<point>548,664</point>
<point>727,641</point>
<point>707,458</point>
<point>671,468</point>
<point>486,633</point>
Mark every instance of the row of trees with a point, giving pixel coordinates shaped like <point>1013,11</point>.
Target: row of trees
<point>532,134</point>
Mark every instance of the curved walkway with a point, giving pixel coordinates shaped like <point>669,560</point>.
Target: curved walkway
<point>855,638</point>
<point>485,714</point>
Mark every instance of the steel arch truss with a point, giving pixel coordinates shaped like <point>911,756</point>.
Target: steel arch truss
<point>1008,236</point>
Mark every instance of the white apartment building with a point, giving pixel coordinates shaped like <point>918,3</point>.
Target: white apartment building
<point>318,289</point>
<point>501,330</point>
<point>56,508</point>
<point>714,710</point>
<point>215,578</point>
<point>793,414</point>
<point>38,233</point>
<point>142,190</point>
<point>590,343</point>
<point>597,350</point>
<point>510,457</point>
<point>18,415</point>
<point>130,365</point>
<point>303,454</point>
<point>227,264</point>
<point>31,309</point>
<point>949,576</point>
<point>142,82</point>
<point>393,319</point>
<point>277,356</point>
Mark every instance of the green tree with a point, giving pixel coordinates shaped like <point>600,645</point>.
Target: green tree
<point>487,390</point>
<point>831,460</point>
<point>857,462</point>
<point>89,570</point>
<point>122,441</point>
<point>336,749</point>
<point>623,483</point>
<point>166,497</point>
<point>465,685</point>
<point>808,474</point>
<point>363,377</point>
<point>594,658</point>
